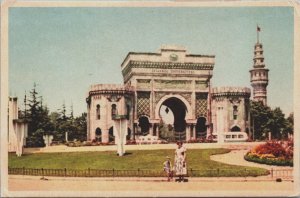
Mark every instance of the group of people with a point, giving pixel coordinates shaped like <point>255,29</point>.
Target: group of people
<point>180,166</point>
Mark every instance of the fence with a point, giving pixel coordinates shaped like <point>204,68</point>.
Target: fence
<point>282,173</point>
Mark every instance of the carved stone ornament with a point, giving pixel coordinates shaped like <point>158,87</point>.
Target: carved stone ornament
<point>235,100</point>
<point>187,96</point>
<point>159,95</point>
<point>113,98</point>
<point>173,57</point>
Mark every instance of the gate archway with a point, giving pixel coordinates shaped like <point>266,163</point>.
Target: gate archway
<point>173,111</point>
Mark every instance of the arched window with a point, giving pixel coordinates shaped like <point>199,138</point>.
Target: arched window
<point>235,129</point>
<point>98,134</point>
<point>235,112</point>
<point>113,110</point>
<point>98,112</point>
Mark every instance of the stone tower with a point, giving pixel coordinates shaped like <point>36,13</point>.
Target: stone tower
<point>259,74</point>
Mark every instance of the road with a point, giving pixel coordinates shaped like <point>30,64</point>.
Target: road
<point>143,187</point>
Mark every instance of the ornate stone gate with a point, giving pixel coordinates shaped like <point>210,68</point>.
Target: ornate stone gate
<point>173,81</point>
<point>170,73</point>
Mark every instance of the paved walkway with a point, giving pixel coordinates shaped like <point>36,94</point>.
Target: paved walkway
<point>100,187</point>
<point>236,157</point>
<point>63,148</point>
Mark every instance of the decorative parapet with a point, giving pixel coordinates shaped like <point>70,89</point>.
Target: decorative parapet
<point>167,65</point>
<point>110,90</point>
<point>231,91</point>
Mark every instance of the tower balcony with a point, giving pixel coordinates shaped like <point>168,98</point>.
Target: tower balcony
<point>258,56</point>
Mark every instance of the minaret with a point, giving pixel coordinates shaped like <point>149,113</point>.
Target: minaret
<point>259,74</point>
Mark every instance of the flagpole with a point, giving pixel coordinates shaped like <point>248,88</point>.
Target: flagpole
<point>257,33</point>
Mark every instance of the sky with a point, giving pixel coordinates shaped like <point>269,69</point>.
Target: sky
<point>65,50</point>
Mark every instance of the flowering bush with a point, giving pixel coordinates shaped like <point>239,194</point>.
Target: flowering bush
<point>201,140</point>
<point>130,142</point>
<point>273,148</point>
<point>273,153</point>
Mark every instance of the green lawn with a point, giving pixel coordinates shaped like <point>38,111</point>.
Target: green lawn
<point>197,159</point>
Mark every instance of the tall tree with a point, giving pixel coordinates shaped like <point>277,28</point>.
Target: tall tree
<point>290,124</point>
<point>265,120</point>
<point>37,117</point>
<point>260,120</point>
<point>33,104</point>
<point>278,124</point>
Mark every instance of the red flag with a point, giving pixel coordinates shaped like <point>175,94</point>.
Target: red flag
<point>258,28</point>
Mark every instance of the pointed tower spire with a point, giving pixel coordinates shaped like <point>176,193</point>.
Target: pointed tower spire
<point>259,74</point>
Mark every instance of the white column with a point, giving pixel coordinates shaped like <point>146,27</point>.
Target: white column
<point>188,132</point>
<point>194,131</point>
<point>151,129</point>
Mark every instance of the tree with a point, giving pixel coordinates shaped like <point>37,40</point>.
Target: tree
<point>80,126</point>
<point>278,124</point>
<point>33,111</point>
<point>265,120</point>
<point>38,121</point>
<point>57,123</point>
<point>260,120</point>
<point>290,124</point>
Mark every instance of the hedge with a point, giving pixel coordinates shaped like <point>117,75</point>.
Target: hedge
<point>268,161</point>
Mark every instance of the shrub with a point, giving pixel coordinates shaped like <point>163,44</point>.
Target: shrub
<point>269,161</point>
<point>273,148</point>
<point>278,153</point>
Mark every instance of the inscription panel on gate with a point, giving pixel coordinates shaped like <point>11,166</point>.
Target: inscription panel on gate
<point>172,84</point>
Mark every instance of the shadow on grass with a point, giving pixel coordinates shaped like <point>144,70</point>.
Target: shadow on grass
<point>126,153</point>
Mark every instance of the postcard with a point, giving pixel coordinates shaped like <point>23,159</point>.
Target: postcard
<point>135,99</point>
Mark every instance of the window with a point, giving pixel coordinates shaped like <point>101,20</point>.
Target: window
<point>235,112</point>
<point>98,112</point>
<point>113,110</point>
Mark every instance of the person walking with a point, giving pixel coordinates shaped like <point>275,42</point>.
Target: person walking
<point>168,168</point>
<point>180,162</point>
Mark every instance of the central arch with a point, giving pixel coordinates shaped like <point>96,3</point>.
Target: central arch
<point>174,112</point>
<point>182,99</point>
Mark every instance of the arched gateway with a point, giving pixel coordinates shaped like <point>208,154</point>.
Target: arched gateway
<point>173,110</point>
<point>169,90</point>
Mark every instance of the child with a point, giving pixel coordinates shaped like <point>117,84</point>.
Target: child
<point>168,168</point>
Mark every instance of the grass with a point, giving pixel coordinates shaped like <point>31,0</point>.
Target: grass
<point>197,159</point>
